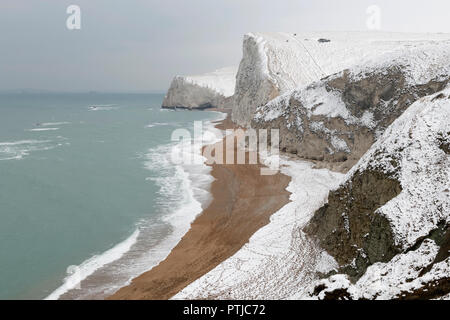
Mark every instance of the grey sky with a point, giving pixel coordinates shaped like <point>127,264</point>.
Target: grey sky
<point>138,45</point>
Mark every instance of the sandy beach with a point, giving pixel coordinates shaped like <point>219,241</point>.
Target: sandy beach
<point>242,202</point>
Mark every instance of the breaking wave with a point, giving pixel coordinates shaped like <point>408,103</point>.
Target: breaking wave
<point>183,193</point>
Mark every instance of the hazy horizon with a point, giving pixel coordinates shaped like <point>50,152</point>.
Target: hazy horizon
<point>139,46</point>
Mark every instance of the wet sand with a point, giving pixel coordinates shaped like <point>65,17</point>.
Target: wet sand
<point>242,202</point>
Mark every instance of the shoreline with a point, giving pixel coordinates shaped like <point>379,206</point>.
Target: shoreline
<point>234,214</point>
<point>99,280</point>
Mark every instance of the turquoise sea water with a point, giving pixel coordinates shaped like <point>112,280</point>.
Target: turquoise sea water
<point>89,188</point>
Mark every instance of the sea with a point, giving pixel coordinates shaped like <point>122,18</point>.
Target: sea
<point>89,195</point>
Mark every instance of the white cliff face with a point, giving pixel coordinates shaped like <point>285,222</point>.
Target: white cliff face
<point>213,89</point>
<point>337,119</point>
<point>275,63</point>
<point>415,149</point>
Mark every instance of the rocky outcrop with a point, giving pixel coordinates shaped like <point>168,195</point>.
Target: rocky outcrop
<point>337,119</point>
<point>387,225</point>
<point>209,90</point>
<point>276,63</point>
<point>348,227</point>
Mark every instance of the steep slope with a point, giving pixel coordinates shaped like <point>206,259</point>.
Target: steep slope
<point>339,117</point>
<point>274,63</point>
<point>387,225</point>
<point>213,89</point>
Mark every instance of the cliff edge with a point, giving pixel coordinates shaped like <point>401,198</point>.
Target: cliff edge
<point>275,63</point>
<point>337,119</point>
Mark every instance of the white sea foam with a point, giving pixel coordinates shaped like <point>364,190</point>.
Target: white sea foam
<point>157,124</point>
<point>43,129</point>
<point>17,150</point>
<point>278,252</point>
<point>89,266</point>
<point>103,108</point>
<point>22,142</point>
<point>183,189</point>
<point>50,124</point>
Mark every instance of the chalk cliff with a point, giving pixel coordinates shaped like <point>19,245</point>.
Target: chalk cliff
<point>338,118</point>
<point>214,89</point>
<point>369,214</point>
<point>275,63</point>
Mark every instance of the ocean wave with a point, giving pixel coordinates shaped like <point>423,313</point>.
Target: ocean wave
<point>22,142</point>
<point>183,192</point>
<point>88,267</point>
<point>157,124</point>
<point>50,124</point>
<point>103,108</point>
<point>17,150</point>
<point>43,129</point>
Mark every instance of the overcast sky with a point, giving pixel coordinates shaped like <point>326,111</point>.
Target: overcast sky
<point>139,45</point>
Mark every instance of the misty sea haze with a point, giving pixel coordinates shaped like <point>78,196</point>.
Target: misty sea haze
<point>91,188</point>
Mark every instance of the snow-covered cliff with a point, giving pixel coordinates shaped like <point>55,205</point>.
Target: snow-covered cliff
<point>214,89</point>
<point>339,117</point>
<point>275,63</point>
<point>381,231</point>
<point>392,210</point>
<point>388,223</point>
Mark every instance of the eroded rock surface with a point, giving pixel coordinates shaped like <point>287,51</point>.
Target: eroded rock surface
<point>275,63</point>
<point>387,225</point>
<point>337,119</point>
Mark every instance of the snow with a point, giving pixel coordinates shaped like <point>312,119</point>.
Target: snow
<point>276,63</point>
<point>221,80</point>
<point>275,109</point>
<point>412,141</point>
<point>324,100</point>
<point>367,120</point>
<point>410,151</point>
<point>444,297</point>
<point>321,102</point>
<point>279,259</point>
<point>419,65</point>
<point>383,281</point>
<point>339,144</point>
<point>214,88</point>
<point>280,262</point>
<point>422,63</point>
<point>316,100</point>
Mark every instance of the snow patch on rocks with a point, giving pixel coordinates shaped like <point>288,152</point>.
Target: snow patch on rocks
<point>410,151</point>
<point>415,150</point>
<point>391,280</point>
<point>356,105</point>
